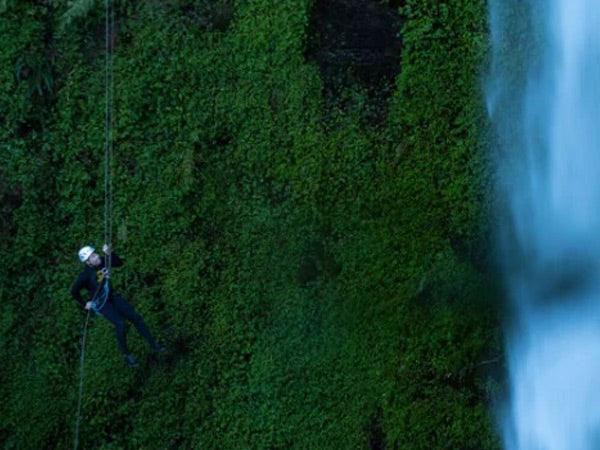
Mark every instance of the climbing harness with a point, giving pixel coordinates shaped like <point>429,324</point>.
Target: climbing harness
<point>98,301</point>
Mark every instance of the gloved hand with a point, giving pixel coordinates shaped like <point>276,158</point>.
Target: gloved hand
<point>88,305</point>
<point>106,249</point>
<point>105,272</point>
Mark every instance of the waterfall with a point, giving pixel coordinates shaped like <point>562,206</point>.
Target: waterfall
<point>543,99</point>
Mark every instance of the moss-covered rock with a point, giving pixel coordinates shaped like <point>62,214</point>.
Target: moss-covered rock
<point>319,277</point>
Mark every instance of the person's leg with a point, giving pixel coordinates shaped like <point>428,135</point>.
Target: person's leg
<point>113,316</point>
<point>128,311</point>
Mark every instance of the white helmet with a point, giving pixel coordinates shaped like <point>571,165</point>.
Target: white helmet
<point>85,253</point>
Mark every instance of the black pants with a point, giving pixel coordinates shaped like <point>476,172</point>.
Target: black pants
<point>117,310</point>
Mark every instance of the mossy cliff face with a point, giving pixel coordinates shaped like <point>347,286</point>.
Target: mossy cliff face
<point>314,256</point>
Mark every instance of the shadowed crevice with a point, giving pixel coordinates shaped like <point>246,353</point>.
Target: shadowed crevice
<point>357,45</point>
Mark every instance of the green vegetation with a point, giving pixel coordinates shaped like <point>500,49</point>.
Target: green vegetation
<point>321,280</point>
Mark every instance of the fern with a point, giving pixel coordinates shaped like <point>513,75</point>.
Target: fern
<point>76,10</point>
<point>4,5</point>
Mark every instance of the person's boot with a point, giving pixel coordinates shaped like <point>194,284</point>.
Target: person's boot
<point>131,361</point>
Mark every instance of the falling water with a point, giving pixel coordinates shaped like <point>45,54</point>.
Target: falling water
<point>543,97</point>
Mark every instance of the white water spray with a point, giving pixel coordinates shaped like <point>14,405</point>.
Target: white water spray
<point>543,97</point>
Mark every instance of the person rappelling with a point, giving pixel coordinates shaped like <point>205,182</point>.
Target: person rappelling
<point>95,278</point>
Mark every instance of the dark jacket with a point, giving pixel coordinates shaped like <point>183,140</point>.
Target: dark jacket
<point>91,278</point>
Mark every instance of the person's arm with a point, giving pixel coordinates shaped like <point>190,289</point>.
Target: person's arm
<point>76,290</point>
<point>115,261</point>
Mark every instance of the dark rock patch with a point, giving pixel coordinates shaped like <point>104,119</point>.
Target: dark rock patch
<point>356,44</point>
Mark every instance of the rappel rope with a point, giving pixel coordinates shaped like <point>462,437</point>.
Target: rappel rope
<point>76,442</point>
<point>108,129</point>
<point>108,206</point>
